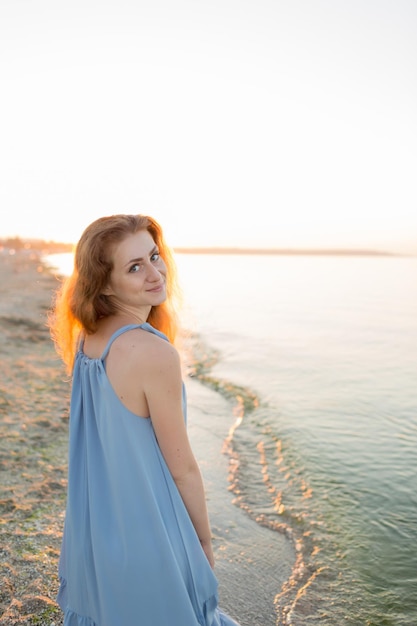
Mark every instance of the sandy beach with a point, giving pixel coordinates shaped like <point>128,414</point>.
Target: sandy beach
<point>252,562</point>
<point>33,449</point>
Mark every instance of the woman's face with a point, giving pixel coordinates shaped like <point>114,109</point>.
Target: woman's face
<point>138,278</point>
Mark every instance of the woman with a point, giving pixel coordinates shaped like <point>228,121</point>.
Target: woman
<point>137,544</point>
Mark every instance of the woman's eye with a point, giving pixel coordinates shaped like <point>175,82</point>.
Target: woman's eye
<point>155,257</point>
<point>135,268</point>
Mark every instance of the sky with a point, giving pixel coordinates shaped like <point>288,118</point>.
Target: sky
<point>248,123</point>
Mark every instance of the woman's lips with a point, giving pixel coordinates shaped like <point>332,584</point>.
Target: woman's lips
<point>156,289</point>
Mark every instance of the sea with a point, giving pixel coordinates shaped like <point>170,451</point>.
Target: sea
<point>324,347</point>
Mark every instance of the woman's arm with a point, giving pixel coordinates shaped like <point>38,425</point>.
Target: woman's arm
<point>163,390</point>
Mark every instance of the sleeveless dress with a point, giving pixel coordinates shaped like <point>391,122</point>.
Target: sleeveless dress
<point>130,555</point>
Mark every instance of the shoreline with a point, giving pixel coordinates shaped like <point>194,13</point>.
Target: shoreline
<point>34,401</point>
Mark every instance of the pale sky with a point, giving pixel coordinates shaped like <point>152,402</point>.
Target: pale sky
<point>232,122</point>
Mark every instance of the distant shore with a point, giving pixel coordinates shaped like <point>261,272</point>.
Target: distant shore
<point>16,244</point>
<point>284,251</point>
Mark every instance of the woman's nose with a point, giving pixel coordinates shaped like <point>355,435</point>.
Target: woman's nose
<point>153,274</point>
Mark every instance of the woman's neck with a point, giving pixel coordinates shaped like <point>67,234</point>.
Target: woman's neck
<point>132,315</point>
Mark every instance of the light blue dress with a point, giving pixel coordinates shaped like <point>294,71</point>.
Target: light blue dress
<point>130,555</point>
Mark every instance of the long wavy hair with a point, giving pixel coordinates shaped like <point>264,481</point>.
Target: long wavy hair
<point>79,302</point>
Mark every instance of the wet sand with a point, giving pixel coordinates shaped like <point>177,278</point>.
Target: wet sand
<point>252,562</point>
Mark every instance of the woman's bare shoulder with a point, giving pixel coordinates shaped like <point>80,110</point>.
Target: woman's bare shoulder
<point>144,347</point>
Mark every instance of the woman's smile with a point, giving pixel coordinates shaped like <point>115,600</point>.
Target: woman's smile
<point>157,289</point>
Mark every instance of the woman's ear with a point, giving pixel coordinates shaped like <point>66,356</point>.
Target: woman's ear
<point>107,291</point>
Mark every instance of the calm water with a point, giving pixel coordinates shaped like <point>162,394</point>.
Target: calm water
<point>329,346</point>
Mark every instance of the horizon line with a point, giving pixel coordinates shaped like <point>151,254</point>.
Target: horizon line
<point>285,251</point>
<point>56,246</point>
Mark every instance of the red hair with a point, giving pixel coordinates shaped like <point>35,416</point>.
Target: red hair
<point>80,303</point>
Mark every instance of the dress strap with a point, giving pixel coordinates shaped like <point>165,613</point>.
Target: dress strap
<point>124,329</point>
